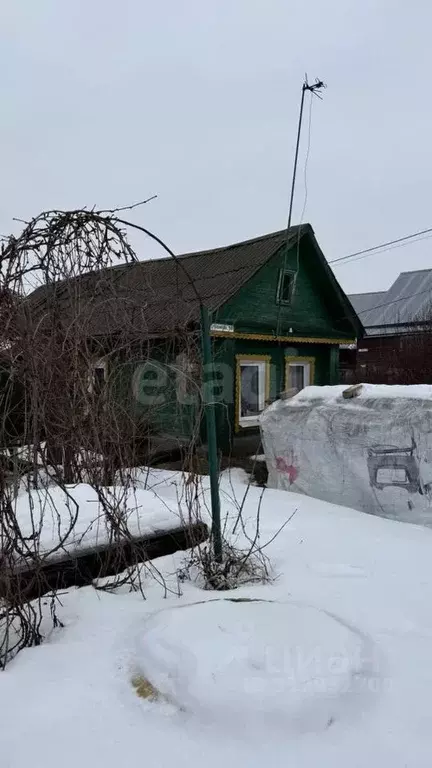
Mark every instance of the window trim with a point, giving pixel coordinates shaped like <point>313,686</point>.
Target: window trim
<point>297,360</point>
<point>282,273</point>
<point>248,422</point>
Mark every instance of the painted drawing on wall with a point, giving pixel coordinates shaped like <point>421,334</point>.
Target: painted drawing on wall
<point>389,465</point>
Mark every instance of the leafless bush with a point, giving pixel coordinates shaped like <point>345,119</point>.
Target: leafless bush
<point>74,326</point>
<point>244,560</point>
<point>238,567</point>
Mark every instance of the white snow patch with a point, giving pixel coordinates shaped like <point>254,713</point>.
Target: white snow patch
<point>78,513</point>
<point>71,701</point>
<point>366,391</point>
<point>256,664</point>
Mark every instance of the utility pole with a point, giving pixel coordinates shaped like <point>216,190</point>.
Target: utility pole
<point>210,415</point>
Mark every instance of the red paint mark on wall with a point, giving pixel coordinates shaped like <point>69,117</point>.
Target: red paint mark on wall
<point>282,465</point>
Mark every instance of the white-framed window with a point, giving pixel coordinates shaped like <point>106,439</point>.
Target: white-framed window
<point>252,387</point>
<point>299,372</point>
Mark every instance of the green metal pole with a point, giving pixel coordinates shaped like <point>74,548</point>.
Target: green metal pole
<point>210,415</point>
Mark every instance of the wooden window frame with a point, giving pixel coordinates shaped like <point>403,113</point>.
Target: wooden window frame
<point>294,360</point>
<point>279,299</point>
<point>250,422</point>
<point>102,364</point>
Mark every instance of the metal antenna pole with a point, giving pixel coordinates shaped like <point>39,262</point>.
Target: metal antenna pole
<point>314,88</point>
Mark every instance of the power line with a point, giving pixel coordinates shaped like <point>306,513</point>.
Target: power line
<point>366,251</point>
<point>385,250</point>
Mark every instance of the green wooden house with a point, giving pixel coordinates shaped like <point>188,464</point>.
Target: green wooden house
<point>278,316</point>
<point>278,326</point>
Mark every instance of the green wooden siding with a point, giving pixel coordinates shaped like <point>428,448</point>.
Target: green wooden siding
<point>225,352</point>
<point>182,420</point>
<point>312,312</point>
<point>148,389</point>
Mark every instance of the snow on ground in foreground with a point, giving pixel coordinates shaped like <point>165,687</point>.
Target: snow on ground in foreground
<point>330,666</point>
<point>257,664</point>
<point>77,516</point>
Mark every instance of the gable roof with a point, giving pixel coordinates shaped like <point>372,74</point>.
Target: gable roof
<point>408,300</point>
<point>364,302</point>
<point>161,295</point>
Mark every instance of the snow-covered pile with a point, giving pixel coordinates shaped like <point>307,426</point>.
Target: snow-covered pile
<point>372,451</point>
<point>258,664</point>
<point>329,666</point>
<point>332,393</point>
<point>76,516</point>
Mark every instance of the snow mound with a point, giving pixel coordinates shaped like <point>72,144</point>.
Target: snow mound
<point>372,452</point>
<point>257,663</point>
<point>333,393</point>
<point>74,518</point>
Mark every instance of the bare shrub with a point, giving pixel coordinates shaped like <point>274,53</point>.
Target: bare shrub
<point>244,560</point>
<point>238,567</point>
<point>75,325</point>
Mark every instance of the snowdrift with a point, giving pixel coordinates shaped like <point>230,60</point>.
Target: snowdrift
<point>256,664</point>
<point>371,451</point>
<point>76,518</point>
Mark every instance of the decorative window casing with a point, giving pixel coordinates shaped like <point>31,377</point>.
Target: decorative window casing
<point>252,388</point>
<point>299,372</point>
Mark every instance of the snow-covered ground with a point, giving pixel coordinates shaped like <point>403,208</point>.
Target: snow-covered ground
<point>76,519</point>
<point>330,665</point>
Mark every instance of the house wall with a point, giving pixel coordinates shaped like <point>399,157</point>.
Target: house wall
<point>311,313</point>
<point>254,310</point>
<point>149,389</point>
<point>230,433</point>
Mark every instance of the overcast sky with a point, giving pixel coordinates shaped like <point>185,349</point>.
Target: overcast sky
<point>106,102</point>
